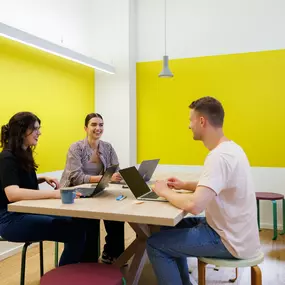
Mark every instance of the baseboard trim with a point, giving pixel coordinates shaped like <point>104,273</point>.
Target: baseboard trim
<point>269,226</point>
<point>10,252</point>
<point>14,250</point>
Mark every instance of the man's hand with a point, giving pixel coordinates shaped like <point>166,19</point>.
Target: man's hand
<point>175,183</point>
<point>160,188</point>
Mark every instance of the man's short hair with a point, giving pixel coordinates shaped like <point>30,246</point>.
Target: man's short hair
<point>211,108</point>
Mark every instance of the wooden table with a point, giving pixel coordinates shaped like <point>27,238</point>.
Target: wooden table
<point>144,218</point>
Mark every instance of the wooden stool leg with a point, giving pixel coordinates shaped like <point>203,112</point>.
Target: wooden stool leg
<point>256,277</point>
<point>201,273</point>
<point>234,279</point>
<point>274,208</point>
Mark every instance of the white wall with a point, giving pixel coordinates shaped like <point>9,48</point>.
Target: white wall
<point>114,22</point>
<point>65,22</point>
<point>207,27</point>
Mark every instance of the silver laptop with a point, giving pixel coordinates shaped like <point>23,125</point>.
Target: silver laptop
<point>138,186</point>
<point>146,170</point>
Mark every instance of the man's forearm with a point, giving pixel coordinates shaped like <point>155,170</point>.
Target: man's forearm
<point>190,185</point>
<point>182,201</point>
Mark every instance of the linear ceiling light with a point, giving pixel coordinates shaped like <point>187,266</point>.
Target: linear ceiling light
<point>44,45</point>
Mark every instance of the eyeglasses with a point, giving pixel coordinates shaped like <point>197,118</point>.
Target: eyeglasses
<point>37,130</point>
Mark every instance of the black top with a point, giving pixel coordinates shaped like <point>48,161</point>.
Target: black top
<point>11,173</point>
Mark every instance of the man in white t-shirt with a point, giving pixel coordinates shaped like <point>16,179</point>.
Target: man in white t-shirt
<point>225,192</point>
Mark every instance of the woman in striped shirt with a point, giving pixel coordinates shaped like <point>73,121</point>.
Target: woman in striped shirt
<point>86,162</point>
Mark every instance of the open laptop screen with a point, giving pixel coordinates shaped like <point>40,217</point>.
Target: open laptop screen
<point>147,168</point>
<point>134,180</point>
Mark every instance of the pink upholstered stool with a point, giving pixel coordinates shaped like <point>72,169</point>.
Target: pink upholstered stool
<point>83,274</point>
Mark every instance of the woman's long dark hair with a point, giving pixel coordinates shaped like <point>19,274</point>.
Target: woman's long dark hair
<point>12,138</point>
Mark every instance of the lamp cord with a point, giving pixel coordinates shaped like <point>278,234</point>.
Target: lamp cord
<point>165,26</point>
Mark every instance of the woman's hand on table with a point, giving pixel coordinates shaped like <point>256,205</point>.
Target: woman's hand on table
<point>116,177</point>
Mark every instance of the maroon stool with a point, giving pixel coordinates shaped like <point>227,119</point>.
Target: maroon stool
<point>273,197</point>
<point>83,274</point>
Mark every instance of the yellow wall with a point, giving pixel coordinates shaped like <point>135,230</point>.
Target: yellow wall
<point>251,87</point>
<point>57,90</point>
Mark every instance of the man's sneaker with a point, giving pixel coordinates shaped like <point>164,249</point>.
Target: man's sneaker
<point>107,259</point>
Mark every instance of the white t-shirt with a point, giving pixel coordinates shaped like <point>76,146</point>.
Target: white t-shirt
<point>232,213</point>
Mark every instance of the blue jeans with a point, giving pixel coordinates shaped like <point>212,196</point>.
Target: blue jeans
<point>169,248</point>
<point>17,227</point>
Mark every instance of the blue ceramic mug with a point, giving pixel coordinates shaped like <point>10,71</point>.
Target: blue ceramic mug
<point>67,195</point>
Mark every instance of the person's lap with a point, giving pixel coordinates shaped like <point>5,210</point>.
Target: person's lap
<point>169,248</point>
<point>16,227</point>
<point>31,227</point>
<point>19,227</point>
<point>191,237</point>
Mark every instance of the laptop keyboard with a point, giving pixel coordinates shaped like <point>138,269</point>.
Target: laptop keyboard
<point>85,191</point>
<point>122,182</point>
<point>151,195</point>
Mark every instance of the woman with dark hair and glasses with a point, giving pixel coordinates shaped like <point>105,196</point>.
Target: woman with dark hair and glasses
<point>86,162</point>
<point>18,181</point>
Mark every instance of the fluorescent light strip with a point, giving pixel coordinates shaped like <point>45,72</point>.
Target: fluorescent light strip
<point>44,45</point>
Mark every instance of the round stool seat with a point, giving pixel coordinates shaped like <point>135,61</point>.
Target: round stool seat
<point>268,196</point>
<point>83,274</point>
<point>233,262</point>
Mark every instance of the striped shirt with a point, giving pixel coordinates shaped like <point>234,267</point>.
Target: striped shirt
<point>79,168</point>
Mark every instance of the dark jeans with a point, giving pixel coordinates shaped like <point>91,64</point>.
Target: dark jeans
<point>80,236</point>
<point>115,239</point>
<point>169,248</point>
<point>16,227</point>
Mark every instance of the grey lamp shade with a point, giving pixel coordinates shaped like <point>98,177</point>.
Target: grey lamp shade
<point>165,71</point>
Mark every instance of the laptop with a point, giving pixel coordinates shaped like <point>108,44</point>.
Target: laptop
<point>91,190</point>
<point>138,186</point>
<point>146,170</point>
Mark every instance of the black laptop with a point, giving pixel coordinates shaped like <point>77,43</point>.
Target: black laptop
<point>138,186</point>
<point>95,189</point>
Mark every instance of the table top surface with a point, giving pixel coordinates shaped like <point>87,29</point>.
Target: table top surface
<point>106,207</point>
